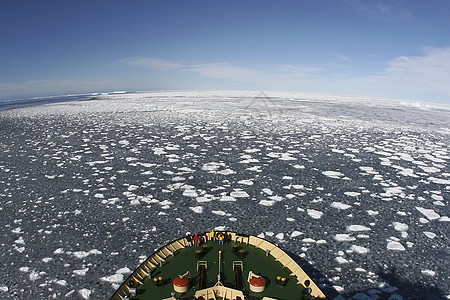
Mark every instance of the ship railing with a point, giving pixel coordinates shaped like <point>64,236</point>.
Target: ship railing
<point>289,263</point>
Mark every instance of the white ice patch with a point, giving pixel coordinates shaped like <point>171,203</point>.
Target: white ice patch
<point>267,191</point>
<point>352,194</point>
<point>227,199</point>
<point>428,272</point>
<point>59,251</point>
<point>429,234</point>
<point>34,276</point>
<point>212,166</point>
<point>358,228</point>
<point>372,212</point>
<point>266,202</point>
<point>61,282</point>
<point>359,249</point>
<point>439,180</point>
<point>203,199</point>
<point>280,236</point>
<point>85,293</point>
<point>226,172</point>
<point>430,169</point>
<point>333,174</point>
<point>400,226</point>
<point>81,272</point>
<point>395,246</point>
<point>116,278</point>
<point>239,194</point>
<point>83,254</point>
<point>17,230</point>
<point>315,214</point>
<point>340,205</point>
<point>245,182</point>
<point>219,212</point>
<point>429,213</point>
<point>341,260</point>
<point>124,270</point>
<point>190,193</point>
<point>296,233</point>
<point>20,241</point>
<point>197,209</point>
<point>344,237</point>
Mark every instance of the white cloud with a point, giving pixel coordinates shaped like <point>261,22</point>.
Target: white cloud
<point>386,9</point>
<point>422,78</point>
<point>427,74</point>
<point>342,57</point>
<point>152,63</point>
<point>225,70</point>
<point>229,71</point>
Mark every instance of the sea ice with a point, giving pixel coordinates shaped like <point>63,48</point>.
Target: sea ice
<point>117,278</point>
<point>85,293</point>
<point>400,226</point>
<point>315,214</point>
<point>428,272</point>
<point>395,246</point>
<point>429,234</point>
<point>429,213</point>
<point>357,228</point>
<point>359,249</point>
<point>344,237</point>
<point>340,205</point>
<point>197,209</point>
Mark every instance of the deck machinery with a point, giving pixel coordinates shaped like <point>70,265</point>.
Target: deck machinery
<point>219,266</point>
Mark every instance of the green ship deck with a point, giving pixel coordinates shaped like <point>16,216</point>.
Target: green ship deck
<point>246,253</point>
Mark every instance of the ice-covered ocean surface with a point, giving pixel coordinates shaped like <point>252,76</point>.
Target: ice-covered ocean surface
<point>355,189</point>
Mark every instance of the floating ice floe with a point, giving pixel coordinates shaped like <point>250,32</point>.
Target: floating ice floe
<point>226,198</point>
<point>85,293</point>
<point>83,254</point>
<point>266,202</point>
<point>315,214</point>
<point>190,193</point>
<point>352,194</point>
<point>245,182</point>
<point>116,278</point>
<point>226,172</point>
<point>197,209</point>
<point>239,194</point>
<point>296,233</point>
<point>219,212</point>
<point>340,205</point>
<point>428,272</point>
<point>429,213</point>
<point>341,260</point>
<point>358,228</point>
<point>344,237</point>
<point>280,236</point>
<point>333,174</point>
<point>429,234</point>
<point>395,246</point>
<point>81,272</point>
<point>359,249</point>
<point>400,226</point>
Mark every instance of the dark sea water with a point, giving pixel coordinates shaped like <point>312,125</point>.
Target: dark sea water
<point>15,103</point>
<point>23,102</point>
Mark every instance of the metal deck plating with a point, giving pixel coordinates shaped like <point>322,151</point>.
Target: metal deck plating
<point>243,267</point>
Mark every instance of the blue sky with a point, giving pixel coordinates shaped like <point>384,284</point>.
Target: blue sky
<point>386,48</point>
